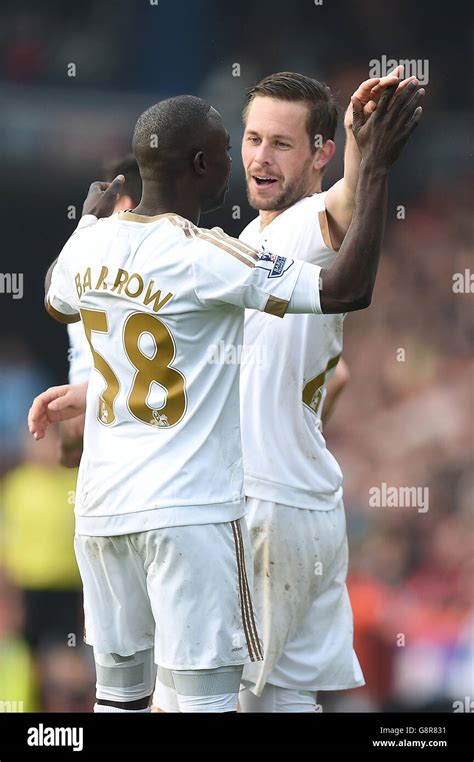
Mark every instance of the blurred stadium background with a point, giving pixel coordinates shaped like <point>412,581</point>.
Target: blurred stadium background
<point>406,416</point>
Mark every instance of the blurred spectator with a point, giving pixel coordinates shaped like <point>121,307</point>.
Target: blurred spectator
<point>17,675</point>
<point>66,678</point>
<point>20,380</point>
<point>37,543</point>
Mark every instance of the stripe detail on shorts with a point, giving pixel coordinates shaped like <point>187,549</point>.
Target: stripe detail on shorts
<point>248,618</point>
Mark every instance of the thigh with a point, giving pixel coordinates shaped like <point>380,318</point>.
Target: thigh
<point>294,552</point>
<point>117,611</point>
<point>320,655</point>
<point>199,581</point>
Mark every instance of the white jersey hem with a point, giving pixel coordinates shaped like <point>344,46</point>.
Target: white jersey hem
<point>158,518</point>
<point>345,685</point>
<point>263,489</point>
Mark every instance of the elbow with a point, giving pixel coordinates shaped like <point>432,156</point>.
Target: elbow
<point>359,303</point>
<point>359,300</point>
<point>341,305</point>
<point>337,295</point>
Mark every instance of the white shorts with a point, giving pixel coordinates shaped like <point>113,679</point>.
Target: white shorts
<point>186,591</point>
<point>300,568</point>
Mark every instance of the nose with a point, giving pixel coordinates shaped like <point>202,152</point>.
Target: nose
<point>262,154</point>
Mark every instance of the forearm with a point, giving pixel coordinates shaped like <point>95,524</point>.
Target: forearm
<point>348,285</point>
<point>352,160</point>
<point>341,196</point>
<point>71,436</point>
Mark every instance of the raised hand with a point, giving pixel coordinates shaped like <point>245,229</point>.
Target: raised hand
<point>102,197</point>
<point>369,93</point>
<point>384,133</point>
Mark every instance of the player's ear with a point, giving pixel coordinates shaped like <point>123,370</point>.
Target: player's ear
<point>199,163</point>
<point>324,154</point>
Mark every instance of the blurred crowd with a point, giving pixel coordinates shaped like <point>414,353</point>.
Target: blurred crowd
<point>407,421</point>
<point>37,42</point>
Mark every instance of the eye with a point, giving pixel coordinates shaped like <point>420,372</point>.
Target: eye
<point>252,139</point>
<point>282,145</point>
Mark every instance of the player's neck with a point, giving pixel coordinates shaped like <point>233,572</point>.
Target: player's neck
<point>154,202</point>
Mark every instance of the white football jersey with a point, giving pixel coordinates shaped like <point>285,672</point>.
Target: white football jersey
<point>158,298</point>
<point>285,366</point>
<point>80,357</point>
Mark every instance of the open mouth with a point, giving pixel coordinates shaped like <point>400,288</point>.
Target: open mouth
<point>264,180</point>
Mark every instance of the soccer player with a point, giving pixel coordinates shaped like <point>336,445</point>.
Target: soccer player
<point>159,534</point>
<point>129,193</point>
<point>80,358</point>
<point>293,484</point>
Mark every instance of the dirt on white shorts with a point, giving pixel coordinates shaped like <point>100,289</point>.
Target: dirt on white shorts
<point>300,568</point>
<point>186,591</point>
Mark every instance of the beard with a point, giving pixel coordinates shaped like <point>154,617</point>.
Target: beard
<point>287,196</point>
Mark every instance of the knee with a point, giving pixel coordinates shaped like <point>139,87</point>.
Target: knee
<point>125,682</point>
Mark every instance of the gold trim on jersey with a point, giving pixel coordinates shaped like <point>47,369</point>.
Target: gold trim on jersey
<point>236,243</point>
<point>133,217</point>
<point>219,239</point>
<point>276,306</point>
<point>216,236</point>
<point>184,224</point>
<point>311,398</point>
<point>248,618</point>
<point>228,246</point>
<point>61,317</point>
<point>325,232</point>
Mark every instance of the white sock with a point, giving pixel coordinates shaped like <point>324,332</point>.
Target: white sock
<point>99,708</point>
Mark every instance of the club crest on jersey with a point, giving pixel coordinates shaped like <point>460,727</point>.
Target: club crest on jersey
<point>159,420</point>
<point>276,265</point>
<point>104,413</point>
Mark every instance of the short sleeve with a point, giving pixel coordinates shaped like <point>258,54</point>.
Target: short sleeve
<point>62,299</point>
<point>226,271</point>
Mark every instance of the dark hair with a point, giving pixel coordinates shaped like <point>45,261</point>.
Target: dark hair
<point>126,165</point>
<point>168,132</point>
<point>290,86</point>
